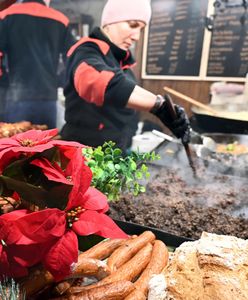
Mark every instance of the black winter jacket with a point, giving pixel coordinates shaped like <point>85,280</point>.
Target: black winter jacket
<point>33,36</point>
<point>99,83</point>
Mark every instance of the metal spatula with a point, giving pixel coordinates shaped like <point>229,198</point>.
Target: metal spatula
<point>189,152</point>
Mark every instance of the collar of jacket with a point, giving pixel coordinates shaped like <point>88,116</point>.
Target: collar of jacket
<point>120,54</point>
<point>36,1</point>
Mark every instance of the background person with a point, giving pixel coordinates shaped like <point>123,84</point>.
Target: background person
<point>32,37</point>
<point>101,92</point>
<point>4,83</point>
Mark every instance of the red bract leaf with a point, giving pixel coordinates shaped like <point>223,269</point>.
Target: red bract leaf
<point>29,255</point>
<point>36,137</point>
<point>9,232</point>
<point>15,196</point>
<point>61,257</point>
<point>6,157</point>
<point>94,200</point>
<point>92,222</point>
<point>43,226</point>
<point>66,153</point>
<point>14,215</point>
<point>28,142</point>
<point>53,174</point>
<point>10,268</point>
<point>66,146</point>
<point>81,177</point>
<point>7,142</point>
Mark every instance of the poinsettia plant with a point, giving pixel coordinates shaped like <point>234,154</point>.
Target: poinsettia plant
<point>54,204</point>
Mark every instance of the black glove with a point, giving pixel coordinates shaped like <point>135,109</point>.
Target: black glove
<point>179,126</point>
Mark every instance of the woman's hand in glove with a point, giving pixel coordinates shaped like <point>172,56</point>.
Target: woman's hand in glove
<point>178,125</point>
<point>181,126</point>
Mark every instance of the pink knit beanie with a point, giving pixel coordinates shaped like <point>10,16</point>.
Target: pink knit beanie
<point>126,10</point>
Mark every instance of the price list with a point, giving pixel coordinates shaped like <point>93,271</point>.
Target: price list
<point>175,37</point>
<point>228,55</point>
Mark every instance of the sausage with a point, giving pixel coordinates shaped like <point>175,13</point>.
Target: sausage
<point>101,250</point>
<point>117,290</point>
<point>125,252</point>
<point>36,281</point>
<point>158,261</point>
<point>91,267</point>
<point>129,271</point>
<point>135,295</point>
<point>133,267</point>
<point>62,287</point>
<point>87,267</point>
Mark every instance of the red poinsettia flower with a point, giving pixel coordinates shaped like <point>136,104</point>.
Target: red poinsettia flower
<point>63,227</point>
<point>50,236</point>
<point>77,174</point>
<point>28,143</point>
<point>84,215</point>
<point>17,252</point>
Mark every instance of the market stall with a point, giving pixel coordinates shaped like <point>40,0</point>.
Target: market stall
<point>164,219</point>
<point>133,262</point>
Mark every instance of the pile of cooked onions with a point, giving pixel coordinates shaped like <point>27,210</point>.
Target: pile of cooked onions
<point>233,148</point>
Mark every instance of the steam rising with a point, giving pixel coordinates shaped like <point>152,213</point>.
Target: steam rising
<point>224,180</point>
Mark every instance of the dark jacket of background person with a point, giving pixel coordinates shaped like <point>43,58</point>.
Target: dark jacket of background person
<point>33,36</point>
<point>4,83</point>
<point>99,82</point>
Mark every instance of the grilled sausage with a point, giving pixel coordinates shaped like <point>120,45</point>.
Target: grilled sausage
<point>91,267</point>
<point>158,261</point>
<point>129,249</point>
<point>102,249</point>
<point>117,290</point>
<point>136,295</point>
<point>129,271</point>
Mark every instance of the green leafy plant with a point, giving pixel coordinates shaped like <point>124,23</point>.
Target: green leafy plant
<point>114,173</point>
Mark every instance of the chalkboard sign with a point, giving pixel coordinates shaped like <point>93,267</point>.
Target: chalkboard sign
<point>178,45</point>
<point>176,37</point>
<point>228,53</point>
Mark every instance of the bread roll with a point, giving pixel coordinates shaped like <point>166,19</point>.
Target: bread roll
<point>215,267</point>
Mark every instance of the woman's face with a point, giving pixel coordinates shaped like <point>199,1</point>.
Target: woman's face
<point>124,34</point>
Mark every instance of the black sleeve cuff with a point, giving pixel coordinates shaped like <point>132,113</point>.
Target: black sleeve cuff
<point>118,93</point>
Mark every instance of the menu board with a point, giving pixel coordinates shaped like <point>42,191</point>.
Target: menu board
<point>178,45</point>
<point>175,37</point>
<point>228,53</point>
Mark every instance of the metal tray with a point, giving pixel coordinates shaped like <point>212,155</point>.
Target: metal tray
<point>169,239</point>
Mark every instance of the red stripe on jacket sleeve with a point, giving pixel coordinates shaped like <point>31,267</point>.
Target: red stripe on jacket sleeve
<point>128,66</point>
<point>36,10</point>
<point>104,47</point>
<point>91,84</point>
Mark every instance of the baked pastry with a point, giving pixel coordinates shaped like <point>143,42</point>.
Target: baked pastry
<point>215,267</point>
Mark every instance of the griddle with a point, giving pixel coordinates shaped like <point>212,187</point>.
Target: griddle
<point>172,154</point>
<point>216,183</point>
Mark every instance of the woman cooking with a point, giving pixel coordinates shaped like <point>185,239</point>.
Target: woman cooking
<point>102,96</point>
